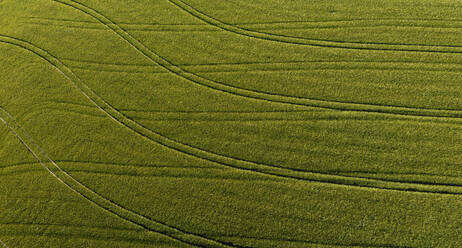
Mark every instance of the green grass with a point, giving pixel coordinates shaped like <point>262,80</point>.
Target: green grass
<point>194,123</point>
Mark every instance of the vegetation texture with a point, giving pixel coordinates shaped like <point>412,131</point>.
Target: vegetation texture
<point>199,123</point>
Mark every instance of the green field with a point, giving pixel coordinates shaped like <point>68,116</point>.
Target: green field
<point>238,123</point>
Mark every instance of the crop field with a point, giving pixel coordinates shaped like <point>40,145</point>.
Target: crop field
<point>238,123</point>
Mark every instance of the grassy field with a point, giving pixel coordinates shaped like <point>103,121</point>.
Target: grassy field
<point>198,123</point>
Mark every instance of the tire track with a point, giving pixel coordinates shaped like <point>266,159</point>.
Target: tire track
<point>269,67</point>
<point>278,67</point>
<point>344,173</point>
<point>252,94</point>
<point>268,62</point>
<point>212,29</point>
<point>273,63</point>
<point>347,20</point>
<point>276,70</point>
<point>313,42</point>
<point>102,202</point>
<point>174,174</point>
<point>378,21</point>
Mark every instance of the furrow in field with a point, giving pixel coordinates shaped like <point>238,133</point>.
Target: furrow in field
<point>253,94</point>
<point>314,42</point>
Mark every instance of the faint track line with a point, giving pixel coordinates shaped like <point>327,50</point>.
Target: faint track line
<point>379,21</point>
<point>150,166</point>
<point>104,203</point>
<point>211,29</point>
<point>210,177</point>
<point>301,66</point>
<point>199,115</point>
<point>253,94</point>
<point>246,70</point>
<point>344,173</point>
<point>309,41</point>
<point>309,62</point>
<point>268,62</point>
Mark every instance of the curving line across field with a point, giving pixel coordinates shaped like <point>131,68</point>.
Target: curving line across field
<point>253,94</point>
<point>375,46</point>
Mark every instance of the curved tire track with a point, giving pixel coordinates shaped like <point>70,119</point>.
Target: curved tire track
<point>374,46</point>
<point>252,94</point>
<point>265,169</point>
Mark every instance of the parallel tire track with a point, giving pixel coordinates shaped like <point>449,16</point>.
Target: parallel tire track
<point>99,200</point>
<point>366,20</point>
<point>314,42</point>
<point>252,94</point>
<point>265,169</point>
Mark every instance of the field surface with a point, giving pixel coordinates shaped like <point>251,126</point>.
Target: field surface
<point>238,123</point>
